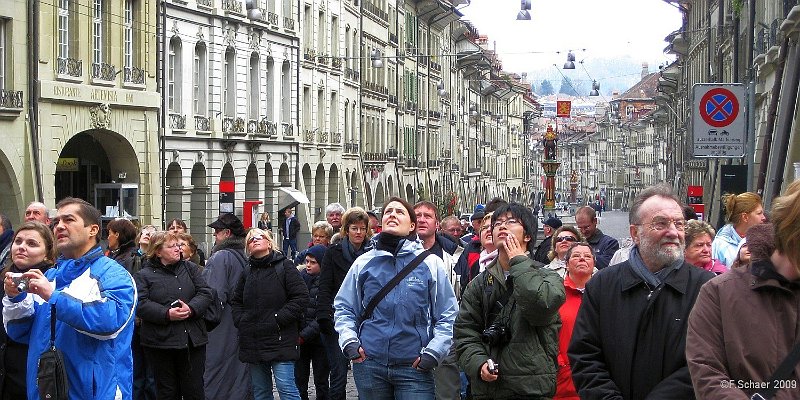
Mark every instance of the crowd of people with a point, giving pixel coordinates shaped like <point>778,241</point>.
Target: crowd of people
<point>415,304</point>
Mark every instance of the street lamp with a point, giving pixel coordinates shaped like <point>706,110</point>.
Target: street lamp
<point>524,14</point>
<point>570,64</point>
<point>595,89</point>
<point>375,56</point>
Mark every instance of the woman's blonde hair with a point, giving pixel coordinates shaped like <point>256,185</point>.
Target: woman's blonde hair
<point>738,204</point>
<point>569,228</point>
<point>786,214</point>
<point>256,232</point>
<point>157,241</point>
<point>696,228</point>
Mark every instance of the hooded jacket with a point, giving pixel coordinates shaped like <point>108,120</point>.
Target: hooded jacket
<point>725,246</point>
<point>528,360</point>
<point>95,300</point>
<point>416,317</point>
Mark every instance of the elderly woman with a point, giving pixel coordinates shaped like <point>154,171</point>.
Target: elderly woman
<point>741,212</point>
<point>321,233</point>
<point>744,322</point>
<point>32,247</point>
<point>267,308</point>
<point>699,236</point>
<point>563,239</point>
<point>580,268</point>
<point>396,345</point>
<point>173,296</point>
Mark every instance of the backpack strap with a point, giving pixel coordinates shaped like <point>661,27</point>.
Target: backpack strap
<point>392,283</point>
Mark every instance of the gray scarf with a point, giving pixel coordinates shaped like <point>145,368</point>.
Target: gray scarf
<point>653,280</point>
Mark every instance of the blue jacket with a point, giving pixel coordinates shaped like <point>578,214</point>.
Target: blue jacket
<point>725,246</point>
<point>416,317</point>
<point>95,299</point>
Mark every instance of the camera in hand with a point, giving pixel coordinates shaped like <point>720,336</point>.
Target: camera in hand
<point>496,334</point>
<point>20,282</point>
<point>493,367</point>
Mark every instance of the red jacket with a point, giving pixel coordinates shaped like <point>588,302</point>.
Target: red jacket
<point>565,389</point>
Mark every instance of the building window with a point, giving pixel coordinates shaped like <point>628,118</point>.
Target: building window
<point>200,72</point>
<point>128,37</point>
<point>63,28</point>
<point>255,86</point>
<point>334,113</point>
<point>286,92</point>
<point>4,52</point>
<point>98,32</point>
<point>270,89</point>
<point>334,36</point>
<point>230,82</point>
<point>174,75</point>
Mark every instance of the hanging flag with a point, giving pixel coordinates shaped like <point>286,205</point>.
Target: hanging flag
<point>563,108</point>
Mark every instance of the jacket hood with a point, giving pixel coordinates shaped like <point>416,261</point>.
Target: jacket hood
<point>728,235</point>
<point>447,243</point>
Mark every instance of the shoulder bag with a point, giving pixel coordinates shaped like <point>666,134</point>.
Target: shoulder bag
<point>392,283</point>
<point>51,374</point>
<point>781,374</point>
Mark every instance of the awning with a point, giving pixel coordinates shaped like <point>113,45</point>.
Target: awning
<point>291,197</point>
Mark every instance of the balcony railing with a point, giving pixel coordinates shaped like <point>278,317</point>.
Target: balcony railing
<point>202,123</point>
<point>323,137</point>
<point>375,157</point>
<point>410,106</point>
<point>104,71</point>
<point>434,114</point>
<point>206,3</point>
<point>272,18</point>
<point>445,153</point>
<point>70,66</point>
<point>308,135</point>
<point>232,5</point>
<point>133,75</point>
<point>11,99</point>
<point>336,63</point>
<point>374,10</point>
<point>392,37</point>
<point>392,99</point>
<point>351,148</point>
<point>392,152</point>
<point>233,126</point>
<point>288,23</point>
<point>288,129</point>
<point>308,55</point>
<point>336,137</point>
<point>322,59</point>
<point>177,121</point>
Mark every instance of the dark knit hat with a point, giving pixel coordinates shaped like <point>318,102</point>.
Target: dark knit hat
<point>317,251</point>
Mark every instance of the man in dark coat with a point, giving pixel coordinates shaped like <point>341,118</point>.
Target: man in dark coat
<point>604,246</point>
<point>630,333</point>
<point>290,228</point>
<point>549,226</point>
<point>226,377</point>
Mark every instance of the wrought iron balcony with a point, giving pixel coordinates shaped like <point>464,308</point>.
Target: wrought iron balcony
<point>410,106</point>
<point>267,127</point>
<point>445,153</point>
<point>336,137</point>
<point>392,99</point>
<point>70,66</point>
<point>392,37</point>
<point>133,75</point>
<point>308,135</point>
<point>288,23</point>
<point>232,5</point>
<point>323,137</point>
<point>272,18</point>
<point>233,126</point>
<point>336,63</point>
<point>351,147</point>
<point>375,157</point>
<point>206,3</point>
<point>202,123</point>
<point>374,10</point>
<point>392,152</point>
<point>104,71</point>
<point>322,59</point>
<point>288,129</point>
<point>11,99</point>
<point>308,55</point>
<point>177,121</point>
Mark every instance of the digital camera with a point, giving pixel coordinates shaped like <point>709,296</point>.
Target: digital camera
<point>496,334</point>
<point>20,282</point>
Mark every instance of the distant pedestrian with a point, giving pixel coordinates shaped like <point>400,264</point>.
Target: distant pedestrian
<point>289,231</point>
<point>542,250</point>
<point>265,223</point>
<point>37,211</point>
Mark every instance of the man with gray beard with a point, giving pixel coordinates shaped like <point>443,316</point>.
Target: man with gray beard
<point>630,333</point>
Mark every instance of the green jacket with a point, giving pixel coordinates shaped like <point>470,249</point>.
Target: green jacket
<point>527,363</point>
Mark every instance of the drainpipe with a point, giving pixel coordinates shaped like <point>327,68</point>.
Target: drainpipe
<point>160,79</point>
<point>772,112</point>
<point>33,94</point>
<point>751,90</point>
<point>785,122</point>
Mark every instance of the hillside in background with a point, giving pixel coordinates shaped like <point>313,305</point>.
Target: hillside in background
<point>614,75</point>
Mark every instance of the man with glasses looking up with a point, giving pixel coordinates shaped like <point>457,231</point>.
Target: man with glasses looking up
<point>630,333</point>
<point>225,377</point>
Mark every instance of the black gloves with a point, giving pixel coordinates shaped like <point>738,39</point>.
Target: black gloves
<point>351,351</point>
<point>426,362</point>
<point>326,326</point>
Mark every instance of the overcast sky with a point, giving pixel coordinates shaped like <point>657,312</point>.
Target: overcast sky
<point>602,27</point>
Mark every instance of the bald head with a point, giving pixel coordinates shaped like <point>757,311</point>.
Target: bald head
<point>37,211</point>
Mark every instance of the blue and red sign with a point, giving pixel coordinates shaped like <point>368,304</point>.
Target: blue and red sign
<point>719,107</point>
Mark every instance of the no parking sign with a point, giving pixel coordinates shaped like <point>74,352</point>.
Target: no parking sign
<point>718,120</point>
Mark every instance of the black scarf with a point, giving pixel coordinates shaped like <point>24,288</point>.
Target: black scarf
<point>263,262</point>
<point>349,252</point>
<point>42,266</point>
<point>392,243</point>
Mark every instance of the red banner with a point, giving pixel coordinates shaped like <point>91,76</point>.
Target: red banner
<point>563,108</point>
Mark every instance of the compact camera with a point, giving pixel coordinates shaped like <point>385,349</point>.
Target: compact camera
<point>20,282</point>
<point>493,367</point>
<point>496,334</point>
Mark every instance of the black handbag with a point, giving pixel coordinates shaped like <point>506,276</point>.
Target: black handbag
<point>51,374</point>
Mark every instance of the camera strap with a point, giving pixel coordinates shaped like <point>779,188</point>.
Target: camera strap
<point>497,306</point>
<point>783,372</point>
<point>392,283</point>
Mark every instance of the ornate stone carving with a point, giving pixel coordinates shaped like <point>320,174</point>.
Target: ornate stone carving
<point>201,37</point>
<point>229,34</point>
<point>100,116</point>
<point>174,29</point>
<point>255,39</point>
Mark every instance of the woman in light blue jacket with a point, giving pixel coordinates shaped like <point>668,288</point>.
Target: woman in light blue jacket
<point>396,348</point>
<point>741,211</point>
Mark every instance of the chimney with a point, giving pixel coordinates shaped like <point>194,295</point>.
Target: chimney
<point>645,70</point>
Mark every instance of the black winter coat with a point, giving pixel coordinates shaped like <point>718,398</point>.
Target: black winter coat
<point>127,256</point>
<point>267,310</point>
<point>158,286</point>
<point>629,342</point>
<point>309,328</point>
<point>334,268</point>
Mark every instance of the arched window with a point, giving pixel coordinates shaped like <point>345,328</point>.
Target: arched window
<point>229,94</point>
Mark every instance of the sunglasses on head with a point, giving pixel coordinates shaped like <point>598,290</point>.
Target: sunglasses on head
<point>566,238</point>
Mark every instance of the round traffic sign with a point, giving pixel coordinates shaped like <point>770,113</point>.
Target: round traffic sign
<point>719,107</point>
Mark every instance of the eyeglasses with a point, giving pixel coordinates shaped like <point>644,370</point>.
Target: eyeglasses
<point>172,246</point>
<point>660,224</point>
<point>509,223</point>
<point>566,238</point>
<point>356,229</point>
<point>254,238</point>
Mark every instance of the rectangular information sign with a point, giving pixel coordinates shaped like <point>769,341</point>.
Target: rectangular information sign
<point>719,128</point>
